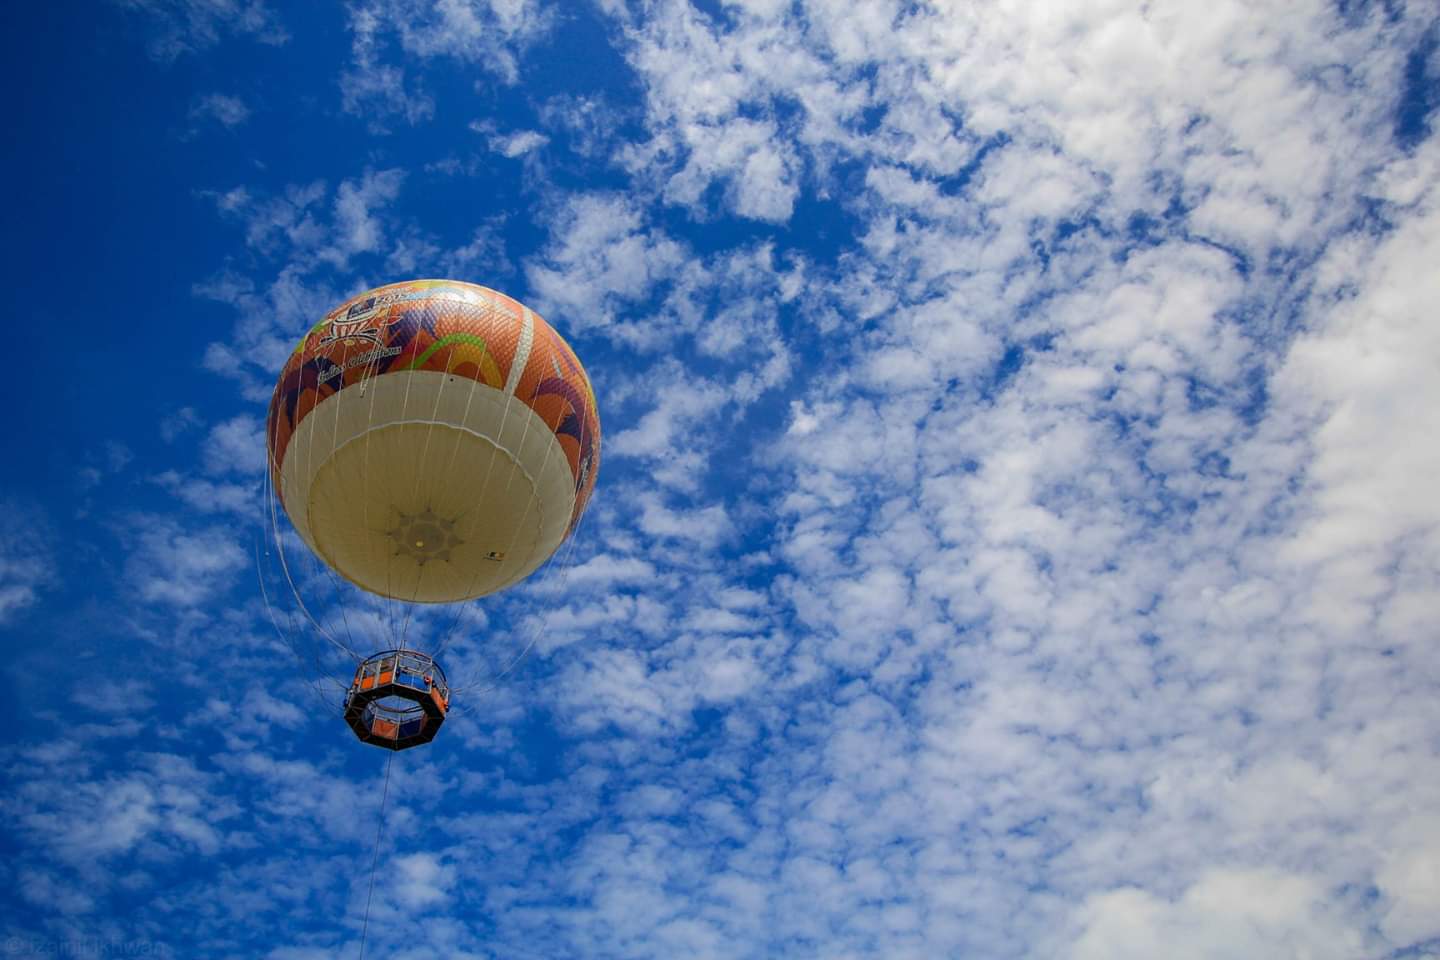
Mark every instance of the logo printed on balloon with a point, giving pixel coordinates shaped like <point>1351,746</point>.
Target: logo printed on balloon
<point>356,325</point>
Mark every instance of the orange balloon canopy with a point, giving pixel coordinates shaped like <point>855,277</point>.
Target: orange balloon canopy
<point>433,440</point>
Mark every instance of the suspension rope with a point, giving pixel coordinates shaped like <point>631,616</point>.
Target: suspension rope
<point>339,398</point>
<point>375,858</point>
<point>370,382</point>
<point>395,612</point>
<point>481,686</point>
<point>272,499</point>
<point>510,393</point>
<point>285,637</point>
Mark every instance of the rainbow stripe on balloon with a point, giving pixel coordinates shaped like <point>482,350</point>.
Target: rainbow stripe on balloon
<point>445,326</point>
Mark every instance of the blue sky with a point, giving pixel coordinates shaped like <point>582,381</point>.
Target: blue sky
<point>1016,537</point>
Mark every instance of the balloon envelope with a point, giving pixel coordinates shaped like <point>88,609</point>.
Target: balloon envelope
<point>433,441</point>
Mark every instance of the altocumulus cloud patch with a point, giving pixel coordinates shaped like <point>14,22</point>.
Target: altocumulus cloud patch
<point>1015,539</point>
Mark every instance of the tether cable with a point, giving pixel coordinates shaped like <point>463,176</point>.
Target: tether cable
<point>375,858</point>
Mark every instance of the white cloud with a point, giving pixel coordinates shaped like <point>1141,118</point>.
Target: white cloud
<point>1050,572</point>
<point>1409,880</point>
<point>1358,375</point>
<point>227,110</point>
<point>421,880</point>
<point>165,801</point>
<point>512,145</point>
<point>178,422</point>
<point>478,31</point>
<point>117,698</point>
<point>696,83</point>
<point>236,445</point>
<point>491,34</point>
<point>311,246</point>
<point>357,229</point>
<point>667,433</point>
<point>604,256</point>
<point>706,527</point>
<point>605,572</point>
<point>189,26</point>
<point>1227,913</point>
<point>1120,600</point>
<point>751,156</point>
<point>375,90</point>
<point>173,566</point>
<point>27,562</point>
<point>287,219</point>
<point>589,122</point>
<point>44,891</point>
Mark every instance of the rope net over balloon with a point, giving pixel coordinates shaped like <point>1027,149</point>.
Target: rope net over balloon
<point>431,444</point>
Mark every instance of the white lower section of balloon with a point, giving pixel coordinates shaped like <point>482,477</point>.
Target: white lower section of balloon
<point>427,487</point>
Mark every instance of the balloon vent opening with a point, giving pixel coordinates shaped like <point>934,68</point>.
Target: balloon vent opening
<point>397,700</point>
<point>424,537</point>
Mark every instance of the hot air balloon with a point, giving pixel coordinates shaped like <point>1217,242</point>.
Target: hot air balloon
<point>431,442</point>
